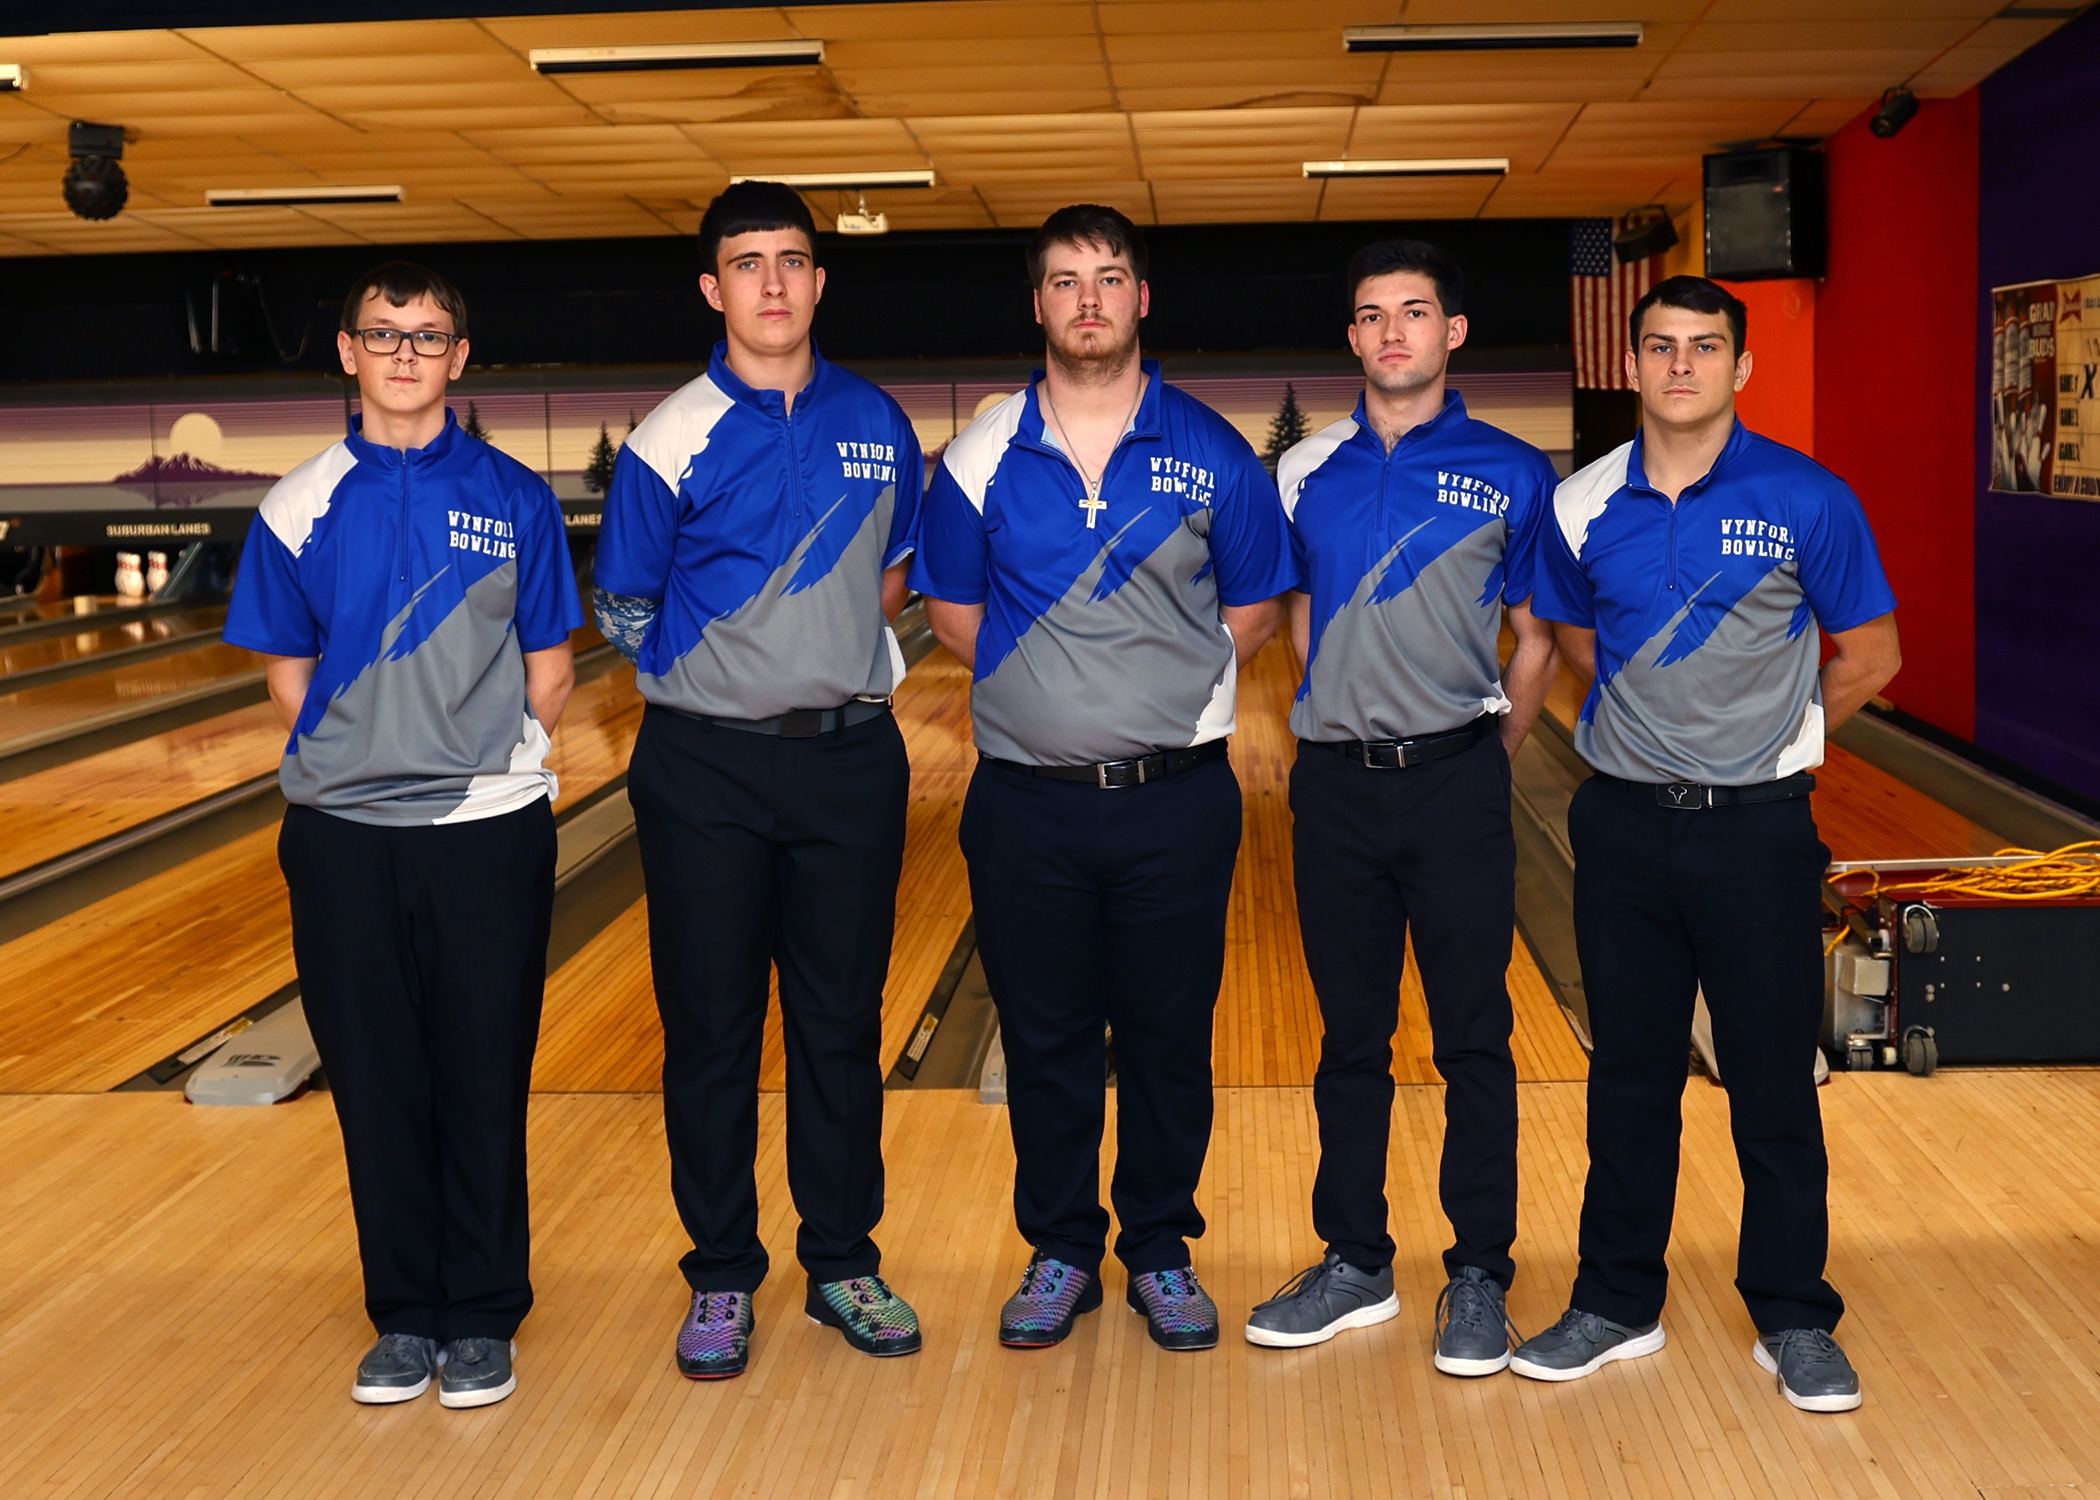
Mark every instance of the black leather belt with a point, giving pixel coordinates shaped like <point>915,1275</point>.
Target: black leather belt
<point>1117,773</point>
<point>1398,755</point>
<point>1686,796</point>
<point>805,723</point>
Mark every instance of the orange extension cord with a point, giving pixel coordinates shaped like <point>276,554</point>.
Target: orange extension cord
<point>2069,872</point>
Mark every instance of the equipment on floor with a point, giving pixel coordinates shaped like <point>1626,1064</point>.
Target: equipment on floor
<point>1985,960</point>
<point>265,1064</point>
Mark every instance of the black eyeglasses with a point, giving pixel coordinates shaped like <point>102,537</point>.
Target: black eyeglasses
<point>425,341</point>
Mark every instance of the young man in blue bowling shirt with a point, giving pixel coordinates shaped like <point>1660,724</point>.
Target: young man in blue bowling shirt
<point>1103,550</point>
<point>751,555</point>
<point>1688,571</point>
<point>1415,524</point>
<point>412,589</point>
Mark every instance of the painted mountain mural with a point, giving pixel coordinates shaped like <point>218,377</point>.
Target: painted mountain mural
<point>182,480</point>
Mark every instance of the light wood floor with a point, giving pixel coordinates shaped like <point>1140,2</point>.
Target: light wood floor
<point>183,1319</point>
<point>107,991</point>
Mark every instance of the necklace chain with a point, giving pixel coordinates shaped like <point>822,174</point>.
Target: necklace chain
<point>1093,486</point>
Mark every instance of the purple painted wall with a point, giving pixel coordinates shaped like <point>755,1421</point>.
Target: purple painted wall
<point>2038,558</point>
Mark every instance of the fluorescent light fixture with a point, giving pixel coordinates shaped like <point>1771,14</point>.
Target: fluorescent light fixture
<point>13,78</point>
<point>844,181</point>
<point>791,53</point>
<point>1494,37</point>
<point>300,197</point>
<point>1425,166</point>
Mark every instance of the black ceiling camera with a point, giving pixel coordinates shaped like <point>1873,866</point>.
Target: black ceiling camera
<point>1899,106</point>
<point>94,184</point>
<point>1643,232</point>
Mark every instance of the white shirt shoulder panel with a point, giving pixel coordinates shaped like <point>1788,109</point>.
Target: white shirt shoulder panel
<point>669,438</point>
<point>973,458</point>
<point>1581,497</point>
<point>1304,457</point>
<point>303,496</point>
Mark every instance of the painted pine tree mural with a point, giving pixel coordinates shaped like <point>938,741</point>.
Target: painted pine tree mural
<point>1287,428</point>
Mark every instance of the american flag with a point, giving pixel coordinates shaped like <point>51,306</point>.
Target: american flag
<point>1604,294</point>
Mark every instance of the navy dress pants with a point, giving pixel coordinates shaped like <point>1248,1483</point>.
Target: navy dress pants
<point>762,852</point>
<point>1667,902</point>
<point>1379,854</point>
<point>1102,907</point>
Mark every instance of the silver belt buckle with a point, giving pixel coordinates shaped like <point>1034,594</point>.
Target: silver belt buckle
<point>1687,794</point>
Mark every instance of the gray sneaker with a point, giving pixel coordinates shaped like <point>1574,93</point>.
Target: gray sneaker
<point>1472,1325</point>
<point>477,1372</point>
<point>1811,1369</point>
<point>1581,1344</point>
<point>398,1368</point>
<point>1319,1302</point>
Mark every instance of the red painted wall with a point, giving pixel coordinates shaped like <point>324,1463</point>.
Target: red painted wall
<point>1780,400</point>
<point>1895,382</point>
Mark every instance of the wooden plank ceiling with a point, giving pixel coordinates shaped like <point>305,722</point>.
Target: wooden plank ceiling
<point>1177,111</point>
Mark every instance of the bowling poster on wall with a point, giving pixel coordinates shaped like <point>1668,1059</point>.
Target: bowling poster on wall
<point>2045,388</point>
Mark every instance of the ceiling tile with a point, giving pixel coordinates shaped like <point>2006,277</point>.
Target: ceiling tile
<point>1232,201</point>
<point>1272,143</point>
<point>1403,198</point>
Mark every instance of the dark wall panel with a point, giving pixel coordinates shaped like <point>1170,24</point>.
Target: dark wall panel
<point>924,295</point>
<point>2038,556</point>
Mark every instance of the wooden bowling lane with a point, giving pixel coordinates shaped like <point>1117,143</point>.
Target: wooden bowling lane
<point>1862,811</point>
<point>599,1032</point>
<point>107,991</point>
<point>33,713</point>
<point>55,811</point>
<point>98,637</point>
<point>58,810</point>
<point>1268,1022</point>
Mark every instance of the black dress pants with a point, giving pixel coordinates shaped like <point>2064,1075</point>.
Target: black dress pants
<point>422,954</point>
<point>1376,853</point>
<point>1667,902</point>
<point>761,852</point>
<point>1102,907</point>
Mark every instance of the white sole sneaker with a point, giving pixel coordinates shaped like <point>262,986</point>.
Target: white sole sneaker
<point>467,1400</point>
<point>387,1395</point>
<point>1845,1402</point>
<point>1473,1367</point>
<point>1363,1317</point>
<point>1633,1348</point>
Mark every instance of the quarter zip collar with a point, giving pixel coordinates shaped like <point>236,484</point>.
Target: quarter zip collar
<point>769,403</point>
<point>1637,468</point>
<point>1144,423</point>
<point>1451,413</point>
<point>434,452</point>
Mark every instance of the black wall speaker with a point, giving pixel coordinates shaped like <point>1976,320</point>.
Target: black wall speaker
<point>1765,214</point>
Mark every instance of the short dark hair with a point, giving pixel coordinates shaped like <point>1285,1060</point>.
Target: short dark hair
<point>401,282</point>
<point>749,208</point>
<point>1087,224</point>
<point>1418,256</point>
<point>1692,294</point>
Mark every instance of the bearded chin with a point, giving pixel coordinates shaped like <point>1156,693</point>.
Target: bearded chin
<point>1093,361</point>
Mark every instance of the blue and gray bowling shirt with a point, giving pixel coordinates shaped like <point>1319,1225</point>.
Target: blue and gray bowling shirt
<point>1409,557</point>
<point>1705,610</point>
<point>761,532</point>
<point>418,579</point>
<point>1102,638</point>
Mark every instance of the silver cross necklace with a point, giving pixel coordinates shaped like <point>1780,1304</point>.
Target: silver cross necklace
<point>1093,504</point>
